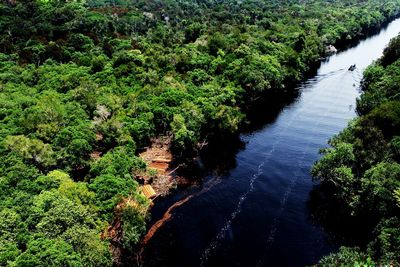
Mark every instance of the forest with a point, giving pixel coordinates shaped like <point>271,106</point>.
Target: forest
<point>360,171</point>
<point>78,77</point>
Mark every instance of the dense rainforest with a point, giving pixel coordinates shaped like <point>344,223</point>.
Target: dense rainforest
<point>84,85</point>
<point>360,172</point>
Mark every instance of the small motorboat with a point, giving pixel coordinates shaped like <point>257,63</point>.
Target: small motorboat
<point>352,67</point>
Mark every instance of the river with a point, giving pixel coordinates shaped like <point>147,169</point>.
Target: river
<point>257,213</point>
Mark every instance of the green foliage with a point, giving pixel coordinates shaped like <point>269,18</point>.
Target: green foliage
<point>387,243</point>
<point>391,52</point>
<point>11,226</point>
<point>379,184</point>
<point>133,225</point>
<point>347,257</point>
<point>110,189</point>
<point>329,166</point>
<point>93,251</point>
<point>8,252</point>
<point>31,150</point>
<point>42,251</point>
<point>53,214</point>
<point>121,161</point>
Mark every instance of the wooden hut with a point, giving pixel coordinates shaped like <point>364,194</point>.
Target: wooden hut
<point>148,191</point>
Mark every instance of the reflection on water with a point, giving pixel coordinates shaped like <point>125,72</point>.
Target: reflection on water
<point>257,215</point>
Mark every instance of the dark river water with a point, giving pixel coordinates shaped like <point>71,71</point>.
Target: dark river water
<point>257,213</point>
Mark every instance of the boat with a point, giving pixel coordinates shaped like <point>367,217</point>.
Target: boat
<point>352,67</point>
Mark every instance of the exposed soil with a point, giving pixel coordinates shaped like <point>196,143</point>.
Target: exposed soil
<point>158,158</point>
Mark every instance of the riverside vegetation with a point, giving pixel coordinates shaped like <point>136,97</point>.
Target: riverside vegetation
<point>360,172</point>
<point>85,85</point>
